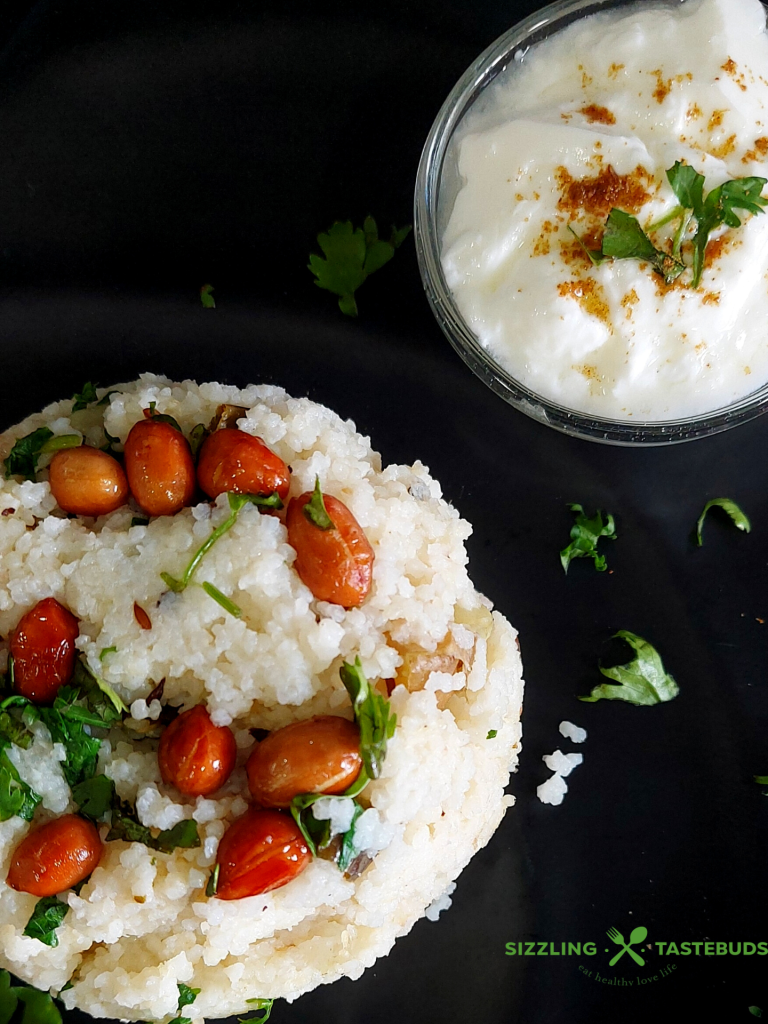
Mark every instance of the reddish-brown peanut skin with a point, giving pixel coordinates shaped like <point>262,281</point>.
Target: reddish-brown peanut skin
<point>43,650</point>
<point>55,856</point>
<point>87,482</point>
<point>336,564</point>
<point>231,460</point>
<point>159,467</point>
<point>319,755</point>
<point>196,756</point>
<point>259,852</point>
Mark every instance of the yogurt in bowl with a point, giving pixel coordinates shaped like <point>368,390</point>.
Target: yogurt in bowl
<point>551,130</point>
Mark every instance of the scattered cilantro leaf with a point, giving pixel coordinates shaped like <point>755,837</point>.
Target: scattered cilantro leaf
<point>762,780</point>
<point>48,914</point>
<point>226,603</point>
<point>596,256</point>
<point>261,1007</point>
<point>236,503</point>
<point>105,651</point>
<point>16,797</point>
<point>755,1011</point>
<point>643,680</point>
<point>126,826</point>
<point>740,521</point>
<point>206,296</point>
<point>315,510</point>
<point>22,459</point>
<point>61,441</point>
<point>112,445</point>
<point>373,717</point>
<point>624,239</point>
<point>349,845</point>
<point>197,435</point>
<point>213,882</point>
<point>585,533</point>
<point>492,734</point>
<point>161,417</point>
<point>94,796</point>
<point>187,996</point>
<point>39,1007</point>
<point>83,398</point>
<point>351,255</point>
<point>317,833</point>
<point>14,731</point>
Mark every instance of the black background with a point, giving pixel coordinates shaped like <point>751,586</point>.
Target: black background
<point>147,148</point>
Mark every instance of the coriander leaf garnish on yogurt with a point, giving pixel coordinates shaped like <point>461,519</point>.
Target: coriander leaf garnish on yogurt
<point>642,681</point>
<point>740,521</point>
<point>585,533</point>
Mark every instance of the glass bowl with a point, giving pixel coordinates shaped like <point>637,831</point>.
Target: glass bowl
<point>436,185</point>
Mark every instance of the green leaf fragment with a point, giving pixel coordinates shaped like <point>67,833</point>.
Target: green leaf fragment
<point>39,1008</point>
<point>22,459</point>
<point>83,398</point>
<point>48,914</point>
<point>492,734</point>
<point>755,1011</point>
<point>206,296</point>
<point>14,731</point>
<point>187,996</point>
<point>596,256</point>
<point>226,603</point>
<point>585,533</point>
<point>316,833</point>
<point>352,255</point>
<point>373,717</point>
<point>262,1008</point>
<point>105,651</point>
<point>315,510</point>
<point>213,882</point>
<point>94,797</point>
<point>197,435</point>
<point>236,503</point>
<point>624,239</point>
<point>643,680</point>
<point>182,836</point>
<point>349,847</point>
<point>738,518</point>
<point>126,826</point>
<point>16,797</point>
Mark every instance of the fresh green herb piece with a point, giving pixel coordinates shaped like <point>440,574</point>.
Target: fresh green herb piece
<point>262,1008</point>
<point>624,239</point>
<point>112,445</point>
<point>349,846</point>
<point>197,435</point>
<point>22,459</point>
<point>105,651</point>
<point>61,441</point>
<point>13,730</point>
<point>161,417</point>
<point>351,255</point>
<point>719,206</point>
<point>236,503</point>
<point>94,797</point>
<point>755,1011</point>
<point>139,521</point>
<point>373,717</point>
<point>315,510</point>
<point>317,833</point>
<point>206,296</point>
<point>227,604</point>
<point>213,882</point>
<point>16,797</point>
<point>48,914</point>
<point>187,996</point>
<point>585,533</point>
<point>83,398</point>
<point>643,680</point>
<point>39,1007</point>
<point>492,734</point>
<point>596,256</point>
<point>740,521</point>
<point>762,780</point>
<point>126,826</point>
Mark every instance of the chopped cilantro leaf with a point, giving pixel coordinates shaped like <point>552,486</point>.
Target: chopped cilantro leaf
<point>16,797</point>
<point>262,1008</point>
<point>740,521</point>
<point>643,680</point>
<point>317,834</point>
<point>197,435</point>
<point>61,441</point>
<point>624,239</point>
<point>187,996</point>
<point>492,734</point>
<point>48,914</point>
<point>94,796</point>
<point>161,417</point>
<point>22,460</point>
<point>213,882</point>
<point>349,844</point>
<point>206,296</point>
<point>126,826</point>
<point>105,651</point>
<point>83,398</point>
<point>39,1007</point>
<point>373,717</point>
<point>585,533</point>
<point>755,1011</point>
<point>13,730</point>
<point>315,510</point>
<point>351,255</point>
<point>236,503</point>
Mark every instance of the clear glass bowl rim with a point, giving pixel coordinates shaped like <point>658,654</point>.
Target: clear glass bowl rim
<point>428,244</point>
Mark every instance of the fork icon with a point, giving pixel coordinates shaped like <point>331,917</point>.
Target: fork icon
<point>638,935</point>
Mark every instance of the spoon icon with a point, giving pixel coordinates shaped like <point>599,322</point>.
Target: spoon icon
<point>638,935</point>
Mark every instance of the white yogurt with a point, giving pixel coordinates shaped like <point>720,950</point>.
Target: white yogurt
<point>633,92</point>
